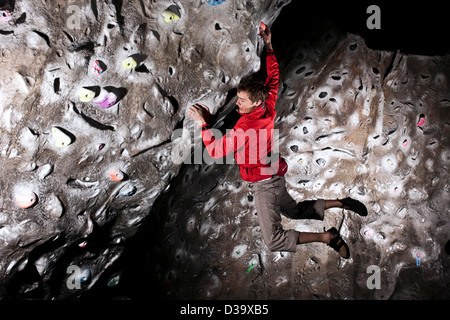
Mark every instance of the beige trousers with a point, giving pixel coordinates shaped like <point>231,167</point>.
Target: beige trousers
<point>272,200</point>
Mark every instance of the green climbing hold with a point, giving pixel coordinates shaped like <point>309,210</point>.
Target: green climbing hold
<point>250,268</point>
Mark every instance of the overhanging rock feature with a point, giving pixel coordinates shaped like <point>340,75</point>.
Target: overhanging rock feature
<point>355,122</point>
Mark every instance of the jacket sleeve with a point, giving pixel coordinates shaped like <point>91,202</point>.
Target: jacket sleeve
<point>273,77</point>
<point>218,146</point>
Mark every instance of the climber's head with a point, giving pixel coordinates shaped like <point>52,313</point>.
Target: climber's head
<point>251,93</point>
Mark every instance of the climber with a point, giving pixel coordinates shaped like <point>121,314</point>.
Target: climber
<point>264,171</point>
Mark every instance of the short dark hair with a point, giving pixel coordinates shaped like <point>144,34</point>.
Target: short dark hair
<point>254,87</point>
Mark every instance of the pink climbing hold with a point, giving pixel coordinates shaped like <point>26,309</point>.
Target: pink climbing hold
<point>5,16</point>
<point>83,244</point>
<point>25,199</point>
<point>98,70</point>
<point>405,143</point>
<point>421,120</point>
<point>106,99</point>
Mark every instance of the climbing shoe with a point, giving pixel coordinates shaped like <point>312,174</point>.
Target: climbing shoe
<point>354,205</point>
<point>338,244</point>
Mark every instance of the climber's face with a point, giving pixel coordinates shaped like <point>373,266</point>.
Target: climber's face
<point>244,103</point>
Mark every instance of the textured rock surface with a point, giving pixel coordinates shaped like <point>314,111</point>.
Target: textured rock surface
<point>48,53</point>
<point>371,124</point>
<point>351,123</point>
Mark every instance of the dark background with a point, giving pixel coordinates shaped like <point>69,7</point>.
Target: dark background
<point>409,26</point>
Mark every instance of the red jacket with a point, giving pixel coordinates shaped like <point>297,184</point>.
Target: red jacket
<point>251,137</point>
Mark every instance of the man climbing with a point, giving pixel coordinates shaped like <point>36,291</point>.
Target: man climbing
<point>251,142</point>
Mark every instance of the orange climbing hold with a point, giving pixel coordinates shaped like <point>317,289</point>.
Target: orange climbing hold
<point>262,27</point>
<point>116,175</point>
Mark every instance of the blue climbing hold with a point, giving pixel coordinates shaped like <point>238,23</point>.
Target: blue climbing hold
<point>83,276</point>
<point>128,190</point>
<point>215,2</point>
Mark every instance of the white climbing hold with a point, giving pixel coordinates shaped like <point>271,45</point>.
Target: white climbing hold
<point>45,171</point>
<point>54,207</point>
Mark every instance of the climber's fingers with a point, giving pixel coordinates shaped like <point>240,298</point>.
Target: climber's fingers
<point>199,113</point>
<point>265,33</point>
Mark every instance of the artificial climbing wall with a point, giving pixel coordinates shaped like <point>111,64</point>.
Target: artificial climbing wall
<point>91,94</point>
<point>95,198</point>
<point>352,121</point>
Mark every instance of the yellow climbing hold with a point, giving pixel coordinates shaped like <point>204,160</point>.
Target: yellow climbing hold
<point>129,63</point>
<point>61,139</point>
<point>169,16</point>
<point>86,95</point>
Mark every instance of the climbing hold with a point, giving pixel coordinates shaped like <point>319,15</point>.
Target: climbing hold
<point>421,121</point>
<point>129,63</point>
<point>116,175</point>
<point>262,27</point>
<point>100,146</point>
<point>5,15</point>
<point>250,268</point>
<point>368,233</point>
<point>114,281</point>
<point>53,206</point>
<point>389,161</point>
<point>321,162</point>
<point>83,244</point>
<point>418,256</point>
<point>405,143</point>
<point>86,95</point>
<point>128,190</point>
<point>83,276</point>
<point>45,171</point>
<point>171,14</point>
<point>99,67</point>
<point>25,198</point>
<point>61,138</point>
<point>215,2</point>
<point>105,99</point>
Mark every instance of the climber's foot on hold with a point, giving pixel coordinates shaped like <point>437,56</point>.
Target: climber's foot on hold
<point>338,244</point>
<point>354,205</point>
